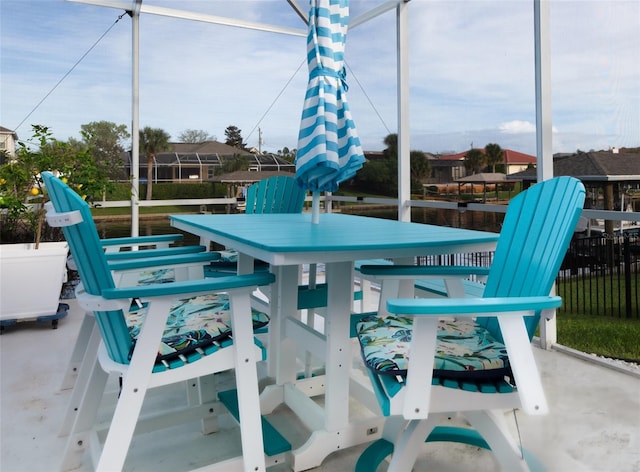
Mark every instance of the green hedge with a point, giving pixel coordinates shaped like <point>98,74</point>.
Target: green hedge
<point>170,191</point>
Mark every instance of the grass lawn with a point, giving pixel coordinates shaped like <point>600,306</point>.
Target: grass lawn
<point>602,335</point>
<point>585,321</point>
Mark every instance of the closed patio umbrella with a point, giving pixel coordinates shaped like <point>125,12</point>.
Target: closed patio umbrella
<point>329,150</point>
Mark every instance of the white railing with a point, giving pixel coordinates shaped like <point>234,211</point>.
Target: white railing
<point>624,216</point>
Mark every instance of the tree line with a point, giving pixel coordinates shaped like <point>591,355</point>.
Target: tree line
<point>106,142</point>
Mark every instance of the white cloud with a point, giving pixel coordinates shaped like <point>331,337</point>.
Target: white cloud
<point>471,67</point>
<point>520,127</point>
<point>517,127</point>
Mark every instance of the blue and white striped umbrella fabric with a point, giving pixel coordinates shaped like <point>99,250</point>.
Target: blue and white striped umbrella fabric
<point>329,150</point>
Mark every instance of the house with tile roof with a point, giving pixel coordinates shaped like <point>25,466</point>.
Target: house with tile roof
<point>608,177</point>
<point>450,167</point>
<point>597,167</point>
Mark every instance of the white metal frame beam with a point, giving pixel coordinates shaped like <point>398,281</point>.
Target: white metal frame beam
<point>303,14</point>
<point>542,58</point>
<point>195,16</point>
<point>404,131</point>
<point>374,12</point>
<point>135,118</point>
<point>135,8</point>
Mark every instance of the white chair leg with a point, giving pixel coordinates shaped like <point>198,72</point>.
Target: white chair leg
<point>493,428</point>
<point>247,384</point>
<point>79,350</point>
<point>134,388</point>
<point>389,289</point>
<point>91,394</point>
<point>409,442</point>
<point>203,390</point>
<point>122,427</point>
<point>85,371</point>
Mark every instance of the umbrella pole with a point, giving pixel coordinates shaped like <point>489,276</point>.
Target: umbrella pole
<point>315,208</point>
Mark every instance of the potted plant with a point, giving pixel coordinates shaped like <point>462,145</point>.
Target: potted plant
<point>33,255</point>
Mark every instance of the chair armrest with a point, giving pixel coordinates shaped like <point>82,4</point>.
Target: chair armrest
<point>427,281</point>
<point>471,306</point>
<point>149,253</point>
<point>149,262</point>
<point>411,271</point>
<point>160,240</point>
<point>187,287</point>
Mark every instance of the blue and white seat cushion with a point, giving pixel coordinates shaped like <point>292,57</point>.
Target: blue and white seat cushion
<point>464,348</point>
<point>228,259</point>
<point>192,323</point>
<point>159,276</point>
<point>227,256</point>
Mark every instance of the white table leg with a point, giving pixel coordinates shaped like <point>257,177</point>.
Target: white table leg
<point>332,429</point>
<point>338,348</point>
<point>283,303</point>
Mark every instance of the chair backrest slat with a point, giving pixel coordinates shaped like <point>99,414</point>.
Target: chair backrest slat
<point>88,254</point>
<point>280,194</point>
<point>536,233</point>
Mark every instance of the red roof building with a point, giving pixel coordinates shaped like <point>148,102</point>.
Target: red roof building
<point>449,168</point>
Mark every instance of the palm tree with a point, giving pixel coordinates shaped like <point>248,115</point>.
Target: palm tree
<point>152,141</point>
<point>474,160</point>
<point>494,155</point>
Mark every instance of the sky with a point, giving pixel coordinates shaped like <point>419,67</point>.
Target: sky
<point>471,72</point>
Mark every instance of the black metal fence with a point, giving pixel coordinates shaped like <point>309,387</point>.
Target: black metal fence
<point>599,276</point>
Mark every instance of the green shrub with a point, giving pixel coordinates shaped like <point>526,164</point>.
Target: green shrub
<point>170,191</point>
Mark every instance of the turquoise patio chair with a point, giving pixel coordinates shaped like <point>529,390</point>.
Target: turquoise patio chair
<point>140,259</point>
<point>431,360</point>
<point>118,250</point>
<point>278,194</point>
<point>184,330</point>
<point>137,271</point>
<point>133,260</point>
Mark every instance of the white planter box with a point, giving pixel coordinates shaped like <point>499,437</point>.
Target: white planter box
<point>31,280</point>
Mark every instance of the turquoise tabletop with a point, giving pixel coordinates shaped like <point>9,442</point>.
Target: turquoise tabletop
<point>362,236</point>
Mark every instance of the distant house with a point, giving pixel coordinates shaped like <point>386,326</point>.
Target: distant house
<point>607,175</point>
<point>198,162</point>
<point>599,167</point>
<point>8,140</point>
<point>450,167</point>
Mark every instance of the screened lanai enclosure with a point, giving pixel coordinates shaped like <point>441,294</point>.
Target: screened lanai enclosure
<point>540,70</point>
<point>203,166</point>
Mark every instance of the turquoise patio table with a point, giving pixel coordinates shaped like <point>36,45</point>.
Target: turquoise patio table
<point>286,241</point>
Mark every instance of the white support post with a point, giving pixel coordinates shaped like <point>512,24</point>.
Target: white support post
<point>404,177</point>
<point>544,125</point>
<point>135,118</point>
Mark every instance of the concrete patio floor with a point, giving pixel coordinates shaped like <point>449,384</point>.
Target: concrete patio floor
<point>594,423</point>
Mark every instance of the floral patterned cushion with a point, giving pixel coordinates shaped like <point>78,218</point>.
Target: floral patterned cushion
<point>193,323</point>
<point>160,276</point>
<point>464,348</point>
<point>228,256</point>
